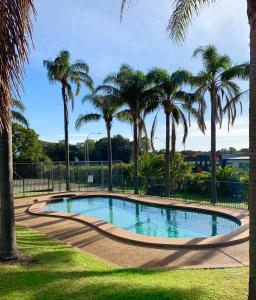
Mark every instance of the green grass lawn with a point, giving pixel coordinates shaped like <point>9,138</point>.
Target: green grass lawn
<point>66,273</point>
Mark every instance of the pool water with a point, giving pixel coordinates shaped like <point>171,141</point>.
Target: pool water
<point>147,219</point>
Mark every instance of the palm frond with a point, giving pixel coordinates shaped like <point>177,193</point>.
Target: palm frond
<point>182,16</point>
<point>153,131</point>
<point>18,104</point>
<point>19,118</point>
<point>238,71</point>
<point>70,95</point>
<point>15,33</point>
<point>124,116</point>
<point>83,119</point>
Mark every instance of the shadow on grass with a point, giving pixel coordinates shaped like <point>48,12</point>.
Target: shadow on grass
<point>63,273</point>
<point>114,284</point>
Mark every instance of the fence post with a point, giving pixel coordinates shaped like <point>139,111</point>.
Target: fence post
<point>102,176</point>
<point>23,186</point>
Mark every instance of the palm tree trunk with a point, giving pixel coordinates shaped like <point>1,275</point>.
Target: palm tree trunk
<point>173,149</point>
<point>252,126</point>
<point>66,121</point>
<point>110,188</point>
<point>8,248</point>
<point>135,153</point>
<point>167,155</point>
<point>213,149</point>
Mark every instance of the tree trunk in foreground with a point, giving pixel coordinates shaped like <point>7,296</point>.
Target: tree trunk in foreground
<point>213,149</point>
<point>110,187</point>
<point>8,247</point>
<point>66,121</point>
<point>167,155</point>
<point>135,153</point>
<point>252,129</point>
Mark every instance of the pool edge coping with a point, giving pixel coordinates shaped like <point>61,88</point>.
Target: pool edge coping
<point>235,237</point>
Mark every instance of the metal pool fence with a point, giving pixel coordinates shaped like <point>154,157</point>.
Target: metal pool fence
<point>46,178</point>
<point>229,194</point>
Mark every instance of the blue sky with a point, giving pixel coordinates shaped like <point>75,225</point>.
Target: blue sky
<point>91,30</point>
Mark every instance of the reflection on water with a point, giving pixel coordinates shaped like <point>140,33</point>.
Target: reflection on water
<point>147,219</point>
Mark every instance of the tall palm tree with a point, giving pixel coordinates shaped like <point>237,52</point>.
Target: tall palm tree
<point>16,29</point>
<point>63,71</point>
<point>181,17</point>
<point>106,110</point>
<point>216,80</point>
<point>131,88</point>
<point>175,103</point>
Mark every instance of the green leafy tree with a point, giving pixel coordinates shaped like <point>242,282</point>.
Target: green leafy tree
<point>132,89</point>
<point>151,165</point>
<point>67,74</point>
<point>26,145</point>
<point>56,151</point>
<point>175,103</point>
<point>106,110</point>
<point>121,149</point>
<point>151,168</point>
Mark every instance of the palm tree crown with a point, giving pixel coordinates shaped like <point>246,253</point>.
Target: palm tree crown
<point>106,109</point>
<point>217,78</point>
<point>61,70</point>
<point>132,89</point>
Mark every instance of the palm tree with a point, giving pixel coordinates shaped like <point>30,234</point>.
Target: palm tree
<point>15,33</point>
<point>131,88</point>
<point>63,71</point>
<point>175,103</point>
<point>17,113</point>
<point>181,17</point>
<point>107,110</point>
<point>216,80</point>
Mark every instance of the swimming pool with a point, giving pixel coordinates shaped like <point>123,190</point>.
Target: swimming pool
<point>146,219</point>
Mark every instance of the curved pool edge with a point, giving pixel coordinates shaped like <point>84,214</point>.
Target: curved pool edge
<point>237,236</point>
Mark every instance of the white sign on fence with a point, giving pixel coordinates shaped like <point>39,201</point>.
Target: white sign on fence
<point>90,179</point>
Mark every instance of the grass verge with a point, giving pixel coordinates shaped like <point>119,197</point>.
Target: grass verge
<point>65,273</point>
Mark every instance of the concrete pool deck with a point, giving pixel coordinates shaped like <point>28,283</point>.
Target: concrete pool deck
<point>125,253</point>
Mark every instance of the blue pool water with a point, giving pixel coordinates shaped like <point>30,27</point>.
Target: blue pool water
<point>148,219</point>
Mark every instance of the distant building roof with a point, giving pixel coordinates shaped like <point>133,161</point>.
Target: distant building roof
<point>239,158</point>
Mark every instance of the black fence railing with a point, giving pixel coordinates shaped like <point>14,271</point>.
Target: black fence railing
<point>229,194</point>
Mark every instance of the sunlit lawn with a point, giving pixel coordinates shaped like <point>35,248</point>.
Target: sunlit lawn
<point>65,273</point>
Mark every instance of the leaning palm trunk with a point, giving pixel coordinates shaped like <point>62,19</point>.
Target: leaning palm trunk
<point>66,121</point>
<point>136,153</point>
<point>252,122</point>
<point>213,150</point>
<point>8,248</point>
<point>167,155</point>
<point>110,185</point>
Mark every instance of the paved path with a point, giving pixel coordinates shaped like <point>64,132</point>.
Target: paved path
<point>124,254</point>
